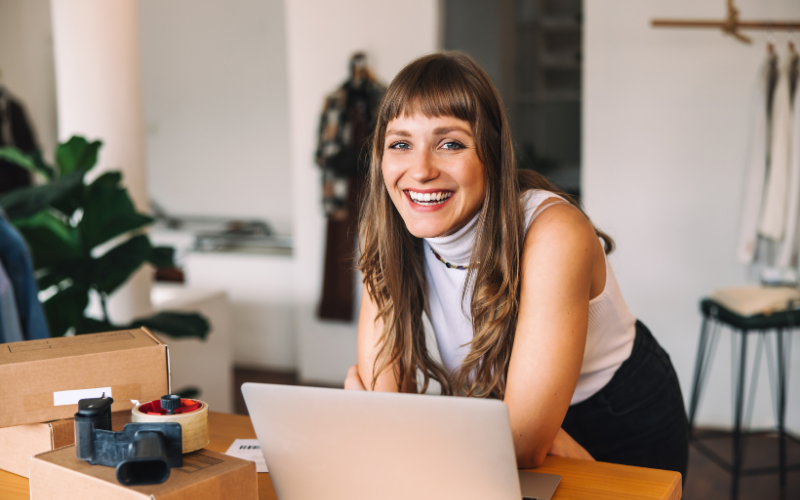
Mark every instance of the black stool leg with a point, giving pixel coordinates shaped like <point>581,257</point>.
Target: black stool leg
<point>736,470</point>
<point>698,373</point>
<point>781,410</point>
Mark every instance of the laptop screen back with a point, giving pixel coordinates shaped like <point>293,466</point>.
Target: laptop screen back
<point>333,444</point>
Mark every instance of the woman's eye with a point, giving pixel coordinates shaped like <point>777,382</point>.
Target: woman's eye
<point>399,145</point>
<point>452,145</point>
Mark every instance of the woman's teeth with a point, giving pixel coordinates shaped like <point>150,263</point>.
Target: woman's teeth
<point>429,198</point>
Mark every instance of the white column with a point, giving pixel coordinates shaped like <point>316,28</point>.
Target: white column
<point>98,87</point>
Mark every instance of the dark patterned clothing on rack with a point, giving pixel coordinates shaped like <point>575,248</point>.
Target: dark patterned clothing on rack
<point>346,124</point>
<point>15,130</point>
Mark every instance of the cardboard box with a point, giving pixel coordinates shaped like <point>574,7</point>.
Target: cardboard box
<point>42,380</point>
<point>19,443</point>
<point>205,475</point>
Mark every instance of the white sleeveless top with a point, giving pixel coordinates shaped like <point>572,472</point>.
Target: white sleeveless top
<point>609,339</point>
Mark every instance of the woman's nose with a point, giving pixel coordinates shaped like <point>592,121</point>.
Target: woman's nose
<point>424,169</point>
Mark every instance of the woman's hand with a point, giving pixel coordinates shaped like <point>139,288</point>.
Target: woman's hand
<point>565,446</point>
<point>353,381</point>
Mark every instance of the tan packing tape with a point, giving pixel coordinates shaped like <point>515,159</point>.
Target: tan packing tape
<point>194,425</point>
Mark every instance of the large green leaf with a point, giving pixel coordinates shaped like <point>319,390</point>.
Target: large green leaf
<point>50,239</point>
<point>17,157</point>
<point>42,167</point>
<point>32,162</point>
<point>80,271</point>
<point>77,154</point>
<point>176,324</point>
<point>172,324</point>
<point>162,257</point>
<point>113,268</point>
<point>27,201</point>
<point>91,325</point>
<point>188,392</point>
<point>68,204</point>
<point>65,309</point>
<point>49,278</point>
<point>108,211</point>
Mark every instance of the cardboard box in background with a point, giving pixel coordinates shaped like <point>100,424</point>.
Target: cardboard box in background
<point>42,380</point>
<point>19,443</point>
<point>205,475</point>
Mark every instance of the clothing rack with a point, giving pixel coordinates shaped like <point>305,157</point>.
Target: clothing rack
<point>731,25</point>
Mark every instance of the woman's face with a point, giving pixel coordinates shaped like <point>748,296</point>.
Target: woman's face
<point>432,173</point>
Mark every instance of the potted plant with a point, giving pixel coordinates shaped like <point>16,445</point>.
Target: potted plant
<point>86,238</point>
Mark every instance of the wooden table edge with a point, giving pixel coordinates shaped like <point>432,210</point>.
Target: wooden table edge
<point>579,478</point>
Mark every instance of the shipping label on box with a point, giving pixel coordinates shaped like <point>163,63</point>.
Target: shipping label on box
<point>19,443</point>
<point>44,379</point>
<point>205,475</point>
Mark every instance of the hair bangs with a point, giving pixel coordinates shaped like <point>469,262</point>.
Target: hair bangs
<point>437,87</point>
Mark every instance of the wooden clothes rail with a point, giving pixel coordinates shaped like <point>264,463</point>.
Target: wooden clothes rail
<point>731,25</point>
<point>746,25</point>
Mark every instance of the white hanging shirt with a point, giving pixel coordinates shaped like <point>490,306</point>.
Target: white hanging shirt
<point>611,331</point>
<point>787,256</point>
<point>756,168</point>
<point>773,216</point>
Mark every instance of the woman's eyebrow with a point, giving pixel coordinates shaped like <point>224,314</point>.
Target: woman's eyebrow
<point>447,130</point>
<point>401,133</point>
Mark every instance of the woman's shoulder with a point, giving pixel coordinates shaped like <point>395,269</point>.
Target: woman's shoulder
<point>537,195</point>
<point>533,203</point>
<point>559,223</point>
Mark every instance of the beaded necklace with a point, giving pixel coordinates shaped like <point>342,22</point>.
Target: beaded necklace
<point>449,265</point>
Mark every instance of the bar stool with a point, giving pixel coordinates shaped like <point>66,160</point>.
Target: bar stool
<point>715,317</point>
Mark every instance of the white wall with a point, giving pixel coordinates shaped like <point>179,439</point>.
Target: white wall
<point>261,302</point>
<point>26,61</point>
<point>216,108</point>
<point>321,37</point>
<point>665,128</point>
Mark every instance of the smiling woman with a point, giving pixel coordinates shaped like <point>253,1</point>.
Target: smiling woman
<point>513,277</point>
<point>432,171</point>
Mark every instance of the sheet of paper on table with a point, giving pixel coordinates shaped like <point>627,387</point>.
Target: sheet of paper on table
<point>248,449</point>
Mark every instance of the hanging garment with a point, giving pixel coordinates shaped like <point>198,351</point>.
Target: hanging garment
<point>339,278</point>
<point>772,224</point>
<point>756,168</point>
<point>790,246</point>
<point>15,130</point>
<point>16,259</point>
<point>10,330</point>
<point>347,121</point>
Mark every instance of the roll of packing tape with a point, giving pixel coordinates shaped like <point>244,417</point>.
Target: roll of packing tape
<point>194,422</point>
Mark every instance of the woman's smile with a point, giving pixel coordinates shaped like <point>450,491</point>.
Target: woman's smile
<point>432,173</point>
<point>428,198</point>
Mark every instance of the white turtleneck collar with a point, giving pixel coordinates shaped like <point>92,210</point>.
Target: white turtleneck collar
<point>457,247</point>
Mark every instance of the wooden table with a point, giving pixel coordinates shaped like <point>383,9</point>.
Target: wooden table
<point>579,479</point>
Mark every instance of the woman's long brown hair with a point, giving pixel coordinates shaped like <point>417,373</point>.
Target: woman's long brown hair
<point>449,84</point>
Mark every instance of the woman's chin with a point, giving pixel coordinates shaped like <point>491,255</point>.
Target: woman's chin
<point>426,230</point>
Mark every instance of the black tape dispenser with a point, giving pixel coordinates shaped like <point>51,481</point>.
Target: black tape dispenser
<point>143,453</point>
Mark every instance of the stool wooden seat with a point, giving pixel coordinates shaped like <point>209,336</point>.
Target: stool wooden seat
<point>715,317</point>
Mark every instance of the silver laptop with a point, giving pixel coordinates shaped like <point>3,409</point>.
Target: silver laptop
<point>333,444</point>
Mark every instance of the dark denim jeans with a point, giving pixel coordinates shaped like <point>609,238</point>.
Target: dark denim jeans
<point>638,418</point>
